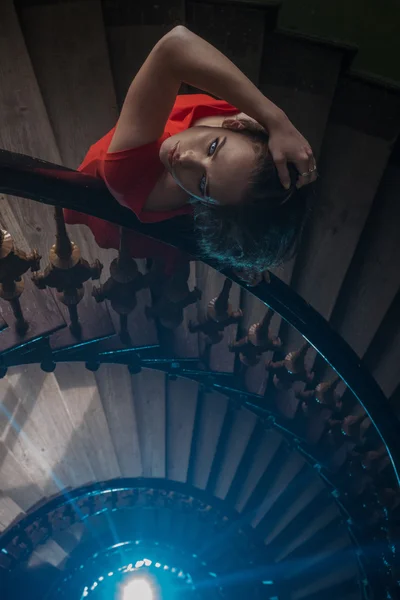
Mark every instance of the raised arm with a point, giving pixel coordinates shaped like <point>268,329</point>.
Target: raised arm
<point>201,65</point>
<point>198,63</point>
<point>182,56</point>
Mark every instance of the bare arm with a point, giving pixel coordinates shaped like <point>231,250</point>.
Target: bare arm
<point>201,65</point>
<point>197,63</point>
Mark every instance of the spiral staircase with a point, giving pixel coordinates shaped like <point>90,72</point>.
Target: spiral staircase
<point>181,427</point>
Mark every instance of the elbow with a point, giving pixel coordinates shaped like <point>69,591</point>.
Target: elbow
<point>179,30</point>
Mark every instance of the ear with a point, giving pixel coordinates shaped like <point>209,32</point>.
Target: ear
<point>233,123</point>
<point>242,122</point>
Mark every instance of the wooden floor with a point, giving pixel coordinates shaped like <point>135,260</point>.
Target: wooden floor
<point>65,68</point>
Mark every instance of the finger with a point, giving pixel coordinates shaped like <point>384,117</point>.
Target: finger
<point>313,169</point>
<point>283,172</point>
<point>311,176</point>
<point>303,168</point>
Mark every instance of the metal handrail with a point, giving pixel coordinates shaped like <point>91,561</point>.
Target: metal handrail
<point>48,183</point>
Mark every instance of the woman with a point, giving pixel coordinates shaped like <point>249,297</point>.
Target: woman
<point>219,165</point>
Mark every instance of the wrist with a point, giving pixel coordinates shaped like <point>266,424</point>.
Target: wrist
<point>274,118</point>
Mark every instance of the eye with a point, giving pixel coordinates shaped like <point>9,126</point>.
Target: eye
<point>203,179</point>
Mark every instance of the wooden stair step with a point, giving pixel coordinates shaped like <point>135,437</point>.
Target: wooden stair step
<point>357,131</point>
<point>133,29</point>
<point>115,388</point>
<point>3,324</point>
<point>281,504</point>
<point>181,397</point>
<point>209,422</point>
<point>346,573</point>
<point>42,313</point>
<point>150,409</point>
<point>57,37</point>
<point>382,356</point>
<point>329,555</point>
<point>236,30</point>
<point>373,278</point>
<point>293,465</point>
<point>319,509</point>
<point>91,433</point>
<point>288,513</point>
<point>9,512</point>
<point>325,520</point>
<point>49,553</point>
<point>95,324</point>
<point>270,445</point>
<point>239,436</point>
<point>300,76</point>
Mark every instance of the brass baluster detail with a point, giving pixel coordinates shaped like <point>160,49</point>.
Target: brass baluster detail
<point>121,287</point>
<point>67,272</point>
<point>219,315</point>
<point>258,340</point>
<point>13,264</point>
<point>324,396</point>
<point>292,368</point>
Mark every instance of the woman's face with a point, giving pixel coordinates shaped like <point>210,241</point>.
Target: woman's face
<point>213,164</point>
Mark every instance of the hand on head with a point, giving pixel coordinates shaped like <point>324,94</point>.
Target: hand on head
<point>286,144</point>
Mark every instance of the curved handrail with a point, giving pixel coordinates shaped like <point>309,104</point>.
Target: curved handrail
<point>32,178</point>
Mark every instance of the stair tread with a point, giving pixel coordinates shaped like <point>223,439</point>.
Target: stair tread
<point>40,311</point>
<point>338,221</point>
<point>300,78</point>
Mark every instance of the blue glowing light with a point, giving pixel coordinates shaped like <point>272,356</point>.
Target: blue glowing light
<point>138,589</point>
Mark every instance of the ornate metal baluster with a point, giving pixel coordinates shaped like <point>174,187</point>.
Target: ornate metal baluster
<point>121,287</point>
<point>219,315</point>
<point>13,264</point>
<point>259,339</point>
<point>67,272</point>
<point>292,368</point>
<point>174,297</point>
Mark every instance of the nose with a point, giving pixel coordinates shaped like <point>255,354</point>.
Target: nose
<point>187,158</point>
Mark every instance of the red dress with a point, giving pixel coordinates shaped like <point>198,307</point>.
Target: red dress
<point>132,174</point>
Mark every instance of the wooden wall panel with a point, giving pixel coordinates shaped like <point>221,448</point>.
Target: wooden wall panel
<point>115,389</point>
<point>91,432</point>
<point>181,411</point>
<point>149,400</point>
